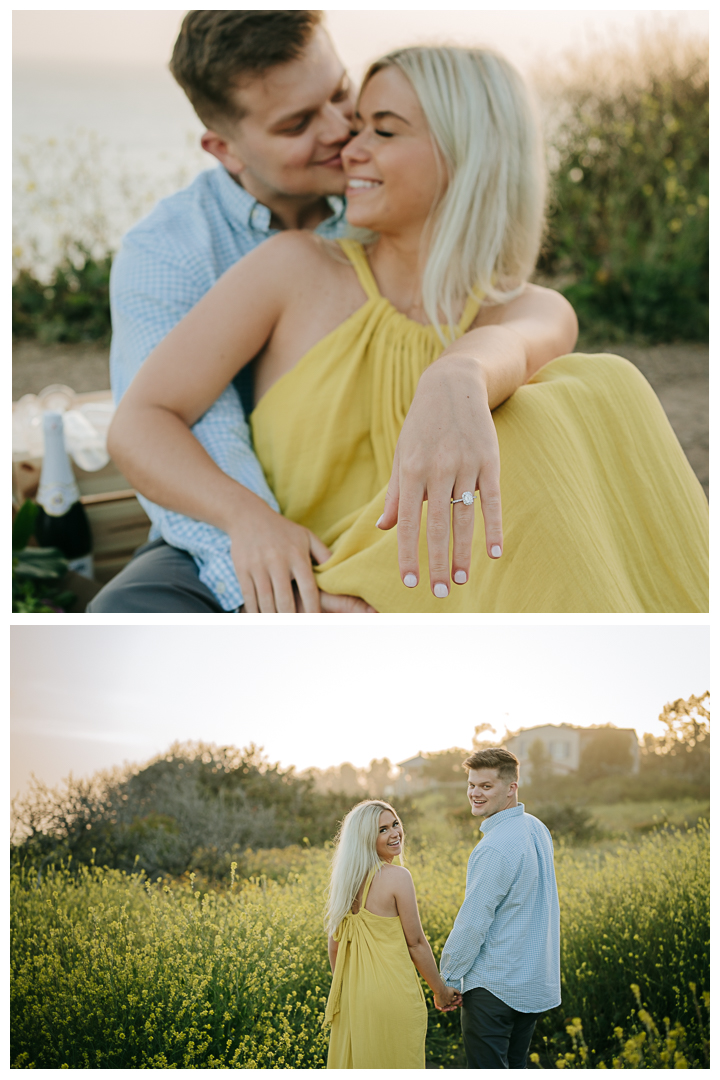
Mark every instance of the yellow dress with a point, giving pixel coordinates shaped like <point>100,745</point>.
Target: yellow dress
<point>376,1006</point>
<point>601,509</point>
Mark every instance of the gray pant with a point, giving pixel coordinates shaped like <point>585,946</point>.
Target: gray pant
<point>495,1036</point>
<point>158,578</point>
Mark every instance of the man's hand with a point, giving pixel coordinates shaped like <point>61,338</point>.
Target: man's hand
<point>448,445</point>
<point>273,559</point>
<point>447,999</point>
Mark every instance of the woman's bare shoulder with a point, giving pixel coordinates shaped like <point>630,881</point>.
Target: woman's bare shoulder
<point>300,244</point>
<point>292,257</point>
<point>398,876</point>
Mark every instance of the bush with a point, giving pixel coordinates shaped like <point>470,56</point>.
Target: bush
<point>636,914</point>
<point>37,573</point>
<point>568,822</point>
<point>74,306</point>
<point>628,226</point>
<point>195,807</point>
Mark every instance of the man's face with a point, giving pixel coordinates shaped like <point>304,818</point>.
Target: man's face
<point>297,118</point>
<point>488,794</point>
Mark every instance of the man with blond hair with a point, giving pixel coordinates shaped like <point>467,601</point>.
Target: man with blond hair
<point>503,953</point>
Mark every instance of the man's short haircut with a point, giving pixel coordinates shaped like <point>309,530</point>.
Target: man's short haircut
<point>216,50</point>
<point>496,757</point>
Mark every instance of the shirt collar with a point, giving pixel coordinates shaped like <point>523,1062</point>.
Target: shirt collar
<point>243,209</point>
<point>337,205</point>
<point>502,815</point>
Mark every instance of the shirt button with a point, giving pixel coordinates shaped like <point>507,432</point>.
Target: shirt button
<point>220,587</point>
<point>260,217</point>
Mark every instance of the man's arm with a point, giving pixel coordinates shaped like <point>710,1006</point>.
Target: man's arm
<point>489,880</point>
<point>178,385</point>
<point>150,293</point>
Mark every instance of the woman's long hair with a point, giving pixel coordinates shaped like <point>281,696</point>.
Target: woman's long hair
<point>355,856</point>
<point>486,230</point>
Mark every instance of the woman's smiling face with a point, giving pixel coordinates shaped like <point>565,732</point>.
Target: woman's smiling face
<point>395,177</point>
<point>390,836</point>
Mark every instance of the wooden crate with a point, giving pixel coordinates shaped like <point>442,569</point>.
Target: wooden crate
<point>118,523</point>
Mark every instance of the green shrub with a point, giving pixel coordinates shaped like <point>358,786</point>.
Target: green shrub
<point>638,914</point>
<point>628,227</point>
<point>644,1045</point>
<point>73,306</point>
<point>37,573</point>
<point>567,822</point>
<point>195,807</point>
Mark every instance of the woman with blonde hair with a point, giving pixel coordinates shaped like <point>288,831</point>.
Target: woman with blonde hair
<point>388,389</point>
<point>376,1006</point>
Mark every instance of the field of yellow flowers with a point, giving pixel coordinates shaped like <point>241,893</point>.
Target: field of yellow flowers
<point>110,970</point>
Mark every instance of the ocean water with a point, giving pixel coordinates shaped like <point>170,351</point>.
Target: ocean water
<point>94,147</point>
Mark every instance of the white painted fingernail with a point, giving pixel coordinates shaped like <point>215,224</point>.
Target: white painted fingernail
<point>379,520</point>
<point>496,551</point>
<point>440,590</point>
<point>460,577</point>
<point>410,580</point>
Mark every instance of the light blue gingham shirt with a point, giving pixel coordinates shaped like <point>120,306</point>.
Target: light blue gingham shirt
<point>506,936</point>
<point>165,264</point>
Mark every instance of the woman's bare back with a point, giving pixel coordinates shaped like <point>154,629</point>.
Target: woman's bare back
<point>381,894</point>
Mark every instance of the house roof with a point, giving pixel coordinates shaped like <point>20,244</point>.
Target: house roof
<point>413,762</point>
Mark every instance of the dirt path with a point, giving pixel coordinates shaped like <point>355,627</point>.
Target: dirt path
<point>677,373</point>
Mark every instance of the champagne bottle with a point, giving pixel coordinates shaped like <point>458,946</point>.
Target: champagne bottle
<point>61,521</point>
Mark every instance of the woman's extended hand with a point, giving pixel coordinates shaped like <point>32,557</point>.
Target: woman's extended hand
<point>448,445</point>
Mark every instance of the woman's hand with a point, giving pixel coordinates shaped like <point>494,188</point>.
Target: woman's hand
<point>447,999</point>
<point>448,445</point>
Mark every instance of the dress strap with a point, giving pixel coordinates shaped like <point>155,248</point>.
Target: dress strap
<point>368,883</point>
<point>356,254</point>
<point>358,257</point>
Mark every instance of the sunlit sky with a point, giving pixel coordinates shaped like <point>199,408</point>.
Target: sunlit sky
<point>145,37</point>
<point>90,697</point>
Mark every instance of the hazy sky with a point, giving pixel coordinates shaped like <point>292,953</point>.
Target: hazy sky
<point>146,37</point>
<point>89,697</point>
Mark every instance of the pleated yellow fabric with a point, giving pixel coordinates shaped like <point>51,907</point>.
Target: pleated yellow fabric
<point>601,509</point>
<point>376,1006</point>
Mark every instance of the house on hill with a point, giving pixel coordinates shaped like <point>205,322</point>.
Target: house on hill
<point>411,775</point>
<point>564,745</point>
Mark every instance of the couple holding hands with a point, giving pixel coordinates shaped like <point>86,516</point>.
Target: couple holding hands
<point>353,277</point>
<point>501,962</point>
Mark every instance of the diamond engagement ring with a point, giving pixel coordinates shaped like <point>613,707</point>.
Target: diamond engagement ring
<point>467,497</point>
